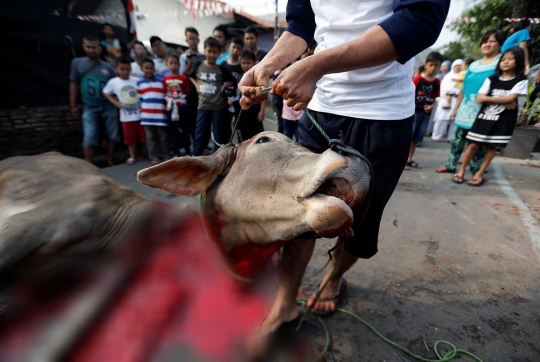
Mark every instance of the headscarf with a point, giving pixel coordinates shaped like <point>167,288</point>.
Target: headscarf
<point>448,85</point>
<point>441,75</point>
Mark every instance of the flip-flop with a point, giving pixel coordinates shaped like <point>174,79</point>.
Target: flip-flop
<point>457,179</point>
<point>413,164</point>
<point>335,297</point>
<point>443,169</point>
<point>476,182</point>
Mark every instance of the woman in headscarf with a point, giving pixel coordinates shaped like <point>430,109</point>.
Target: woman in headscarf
<point>445,67</point>
<point>449,93</point>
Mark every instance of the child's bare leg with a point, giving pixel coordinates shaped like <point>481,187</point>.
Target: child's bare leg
<point>467,157</point>
<point>490,153</point>
<point>132,151</point>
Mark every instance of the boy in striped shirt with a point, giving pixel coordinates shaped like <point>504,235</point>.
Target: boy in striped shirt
<point>153,113</point>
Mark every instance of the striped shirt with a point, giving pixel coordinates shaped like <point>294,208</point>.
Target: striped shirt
<point>152,94</point>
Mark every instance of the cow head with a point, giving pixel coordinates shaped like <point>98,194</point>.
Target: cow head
<point>265,191</point>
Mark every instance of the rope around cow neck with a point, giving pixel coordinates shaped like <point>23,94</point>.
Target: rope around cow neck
<point>341,148</point>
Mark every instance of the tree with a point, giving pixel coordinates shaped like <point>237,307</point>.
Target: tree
<point>490,14</point>
<point>453,50</point>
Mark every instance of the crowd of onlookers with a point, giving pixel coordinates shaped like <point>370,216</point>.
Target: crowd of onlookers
<point>180,100</point>
<point>167,100</point>
<point>474,102</point>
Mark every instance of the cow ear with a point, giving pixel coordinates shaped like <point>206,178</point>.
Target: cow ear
<point>189,176</point>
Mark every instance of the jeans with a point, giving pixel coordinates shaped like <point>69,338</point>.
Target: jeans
<point>456,148</point>
<point>420,125</point>
<point>91,118</point>
<point>207,120</point>
<point>183,126</point>
<point>290,128</point>
<point>278,108</point>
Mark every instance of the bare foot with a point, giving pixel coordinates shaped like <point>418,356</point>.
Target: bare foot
<point>277,317</point>
<point>330,290</point>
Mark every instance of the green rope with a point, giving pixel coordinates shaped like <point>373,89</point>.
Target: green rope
<point>317,125</point>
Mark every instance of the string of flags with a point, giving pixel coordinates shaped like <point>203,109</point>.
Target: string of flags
<point>473,20</point>
<point>209,8</point>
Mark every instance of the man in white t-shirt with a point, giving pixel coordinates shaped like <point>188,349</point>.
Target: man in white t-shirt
<point>358,85</point>
<point>124,87</point>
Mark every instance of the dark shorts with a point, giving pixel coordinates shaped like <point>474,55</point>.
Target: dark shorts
<point>386,145</point>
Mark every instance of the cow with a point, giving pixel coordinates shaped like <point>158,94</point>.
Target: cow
<point>57,211</point>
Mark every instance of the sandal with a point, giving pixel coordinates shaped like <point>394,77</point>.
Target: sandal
<point>155,160</point>
<point>413,164</point>
<point>131,161</point>
<point>443,170</point>
<point>457,179</point>
<point>336,297</point>
<point>476,182</point>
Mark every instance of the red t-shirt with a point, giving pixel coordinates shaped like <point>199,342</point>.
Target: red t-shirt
<point>176,88</point>
<point>426,91</point>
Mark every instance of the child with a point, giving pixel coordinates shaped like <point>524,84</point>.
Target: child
<point>520,35</point>
<point>176,88</point>
<point>153,113</point>
<point>461,76</point>
<point>233,65</point>
<point>290,121</point>
<point>124,87</point>
<point>427,89</point>
<point>250,120</point>
<point>210,80</point>
<point>497,118</point>
<point>111,45</point>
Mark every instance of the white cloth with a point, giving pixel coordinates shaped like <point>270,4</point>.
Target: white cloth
<point>384,92</point>
<point>126,92</point>
<point>171,105</point>
<point>442,114</point>
<point>136,71</point>
<point>521,88</point>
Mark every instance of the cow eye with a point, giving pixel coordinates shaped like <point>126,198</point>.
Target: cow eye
<point>263,140</point>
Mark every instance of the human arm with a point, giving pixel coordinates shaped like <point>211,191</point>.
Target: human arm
<point>456,106</point>
<point>260,116</point>
<point>519,89</point>
<point>73,92</point>
<point>523,45</point>
<point>537,78</point>
<point>114,101</point>
<point>414,26</point>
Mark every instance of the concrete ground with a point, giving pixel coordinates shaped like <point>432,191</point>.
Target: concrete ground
<point>455,262</point>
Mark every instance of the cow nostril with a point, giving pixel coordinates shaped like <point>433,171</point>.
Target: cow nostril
<point>263,140</point>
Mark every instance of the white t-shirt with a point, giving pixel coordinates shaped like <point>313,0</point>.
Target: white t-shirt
<point>126,92</point>
<point>161,67</point>
<point>384,92</point>
<point>136,71</point>
<point>520,88</point>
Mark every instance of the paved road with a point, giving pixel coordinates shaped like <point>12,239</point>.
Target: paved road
<point>456,263</point>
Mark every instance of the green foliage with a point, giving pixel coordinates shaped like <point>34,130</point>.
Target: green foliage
<point>453,50</point>
<point>490,14</point>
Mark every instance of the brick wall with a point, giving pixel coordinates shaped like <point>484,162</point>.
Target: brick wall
<point>37,130</point>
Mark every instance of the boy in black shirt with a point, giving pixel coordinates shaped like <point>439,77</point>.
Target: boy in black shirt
<point>427,89</point>
<point>233,65</point>
<point>250,120</point>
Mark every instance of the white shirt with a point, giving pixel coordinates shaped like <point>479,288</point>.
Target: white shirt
<point>136,71</point>
<point>161,67</point>
<point>384,92</point>
<point>126,92</point>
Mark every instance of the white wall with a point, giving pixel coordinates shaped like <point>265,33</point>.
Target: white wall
<point>171,29</point>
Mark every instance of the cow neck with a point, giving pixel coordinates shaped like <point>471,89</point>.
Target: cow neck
<point>244,262</point>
